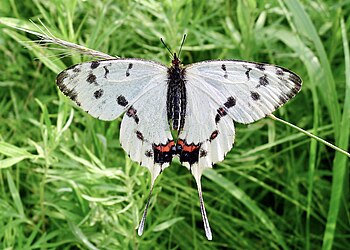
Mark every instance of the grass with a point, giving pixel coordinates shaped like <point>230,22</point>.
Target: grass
<point>65,182</point>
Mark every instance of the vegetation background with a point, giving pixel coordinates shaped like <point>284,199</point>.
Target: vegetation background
<point>65,182</point>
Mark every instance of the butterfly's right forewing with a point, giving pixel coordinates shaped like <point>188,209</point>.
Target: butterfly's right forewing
<point>105,89</point>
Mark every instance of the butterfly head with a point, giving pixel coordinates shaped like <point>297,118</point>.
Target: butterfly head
<point>176,61</point>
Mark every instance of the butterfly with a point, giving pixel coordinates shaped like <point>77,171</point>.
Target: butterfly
<point>200,101</point>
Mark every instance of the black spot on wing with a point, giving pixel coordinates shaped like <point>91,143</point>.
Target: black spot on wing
<point>127,73</point>
<point>91,78</point>
<point>220,113</point>
<point>133,114</point>
<point>293,92</point>
<point>297,88</point>
<point>263,81</point>
<point>72,95</point>
<point>60,78</point>
<point>203,153</point>
<point>282,99</point>
<point>214,135</point>
<point>106,71</point>
<point>255,95</point>
<point>98,93</point>
<point>94,64</point>
<point>163,153</point>
<point>231,101</point>
<point>260,66</point>
<point>223,67</point>
<point>189,152</point>
<point>279,72</point>
<point>294,78</point>
<point>247,73</point>
<point>217,118</point>
<point>122,101</point>
<point>149,153</point>
<point>139,135</point>
<point>77,69</point>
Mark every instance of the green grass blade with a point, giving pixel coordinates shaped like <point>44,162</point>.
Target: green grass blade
<point>78,188</point>
<point>340,167</point>
<point>13,151</point>
<point>15,195</point>
<point>327,88</point>
<point>239,194</point>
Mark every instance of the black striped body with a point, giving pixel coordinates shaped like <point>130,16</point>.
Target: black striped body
<point>176,96</point>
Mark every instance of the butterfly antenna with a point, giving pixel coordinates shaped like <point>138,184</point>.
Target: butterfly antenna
<point>161,39</point>
<point>182,43</point>
<point>142,222</point>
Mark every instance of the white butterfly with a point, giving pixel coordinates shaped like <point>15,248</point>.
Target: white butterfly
<point>201,101</point>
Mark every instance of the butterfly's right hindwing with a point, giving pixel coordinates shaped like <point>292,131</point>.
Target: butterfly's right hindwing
<point>144,133</point>
<point>105,89</point>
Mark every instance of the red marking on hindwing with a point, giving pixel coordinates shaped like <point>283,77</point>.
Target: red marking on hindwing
<point>188,148</point>
<point>166,147</point>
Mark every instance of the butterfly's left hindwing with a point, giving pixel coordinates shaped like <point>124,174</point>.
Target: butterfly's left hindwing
<point>204,140</point>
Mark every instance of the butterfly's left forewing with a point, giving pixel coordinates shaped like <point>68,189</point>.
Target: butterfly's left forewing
<point>247,91</point>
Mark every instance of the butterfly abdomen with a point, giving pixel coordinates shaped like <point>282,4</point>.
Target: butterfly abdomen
<point>176,97</point>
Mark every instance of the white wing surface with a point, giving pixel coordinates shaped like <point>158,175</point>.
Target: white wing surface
<point>201,129</point>
<point>219,93</point>
<point>145,132</point>
<point>215,93</point>
<point>105,89</point>
<point>255,89</point>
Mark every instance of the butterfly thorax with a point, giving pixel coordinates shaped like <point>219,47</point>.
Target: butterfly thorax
<point>176,95</point>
